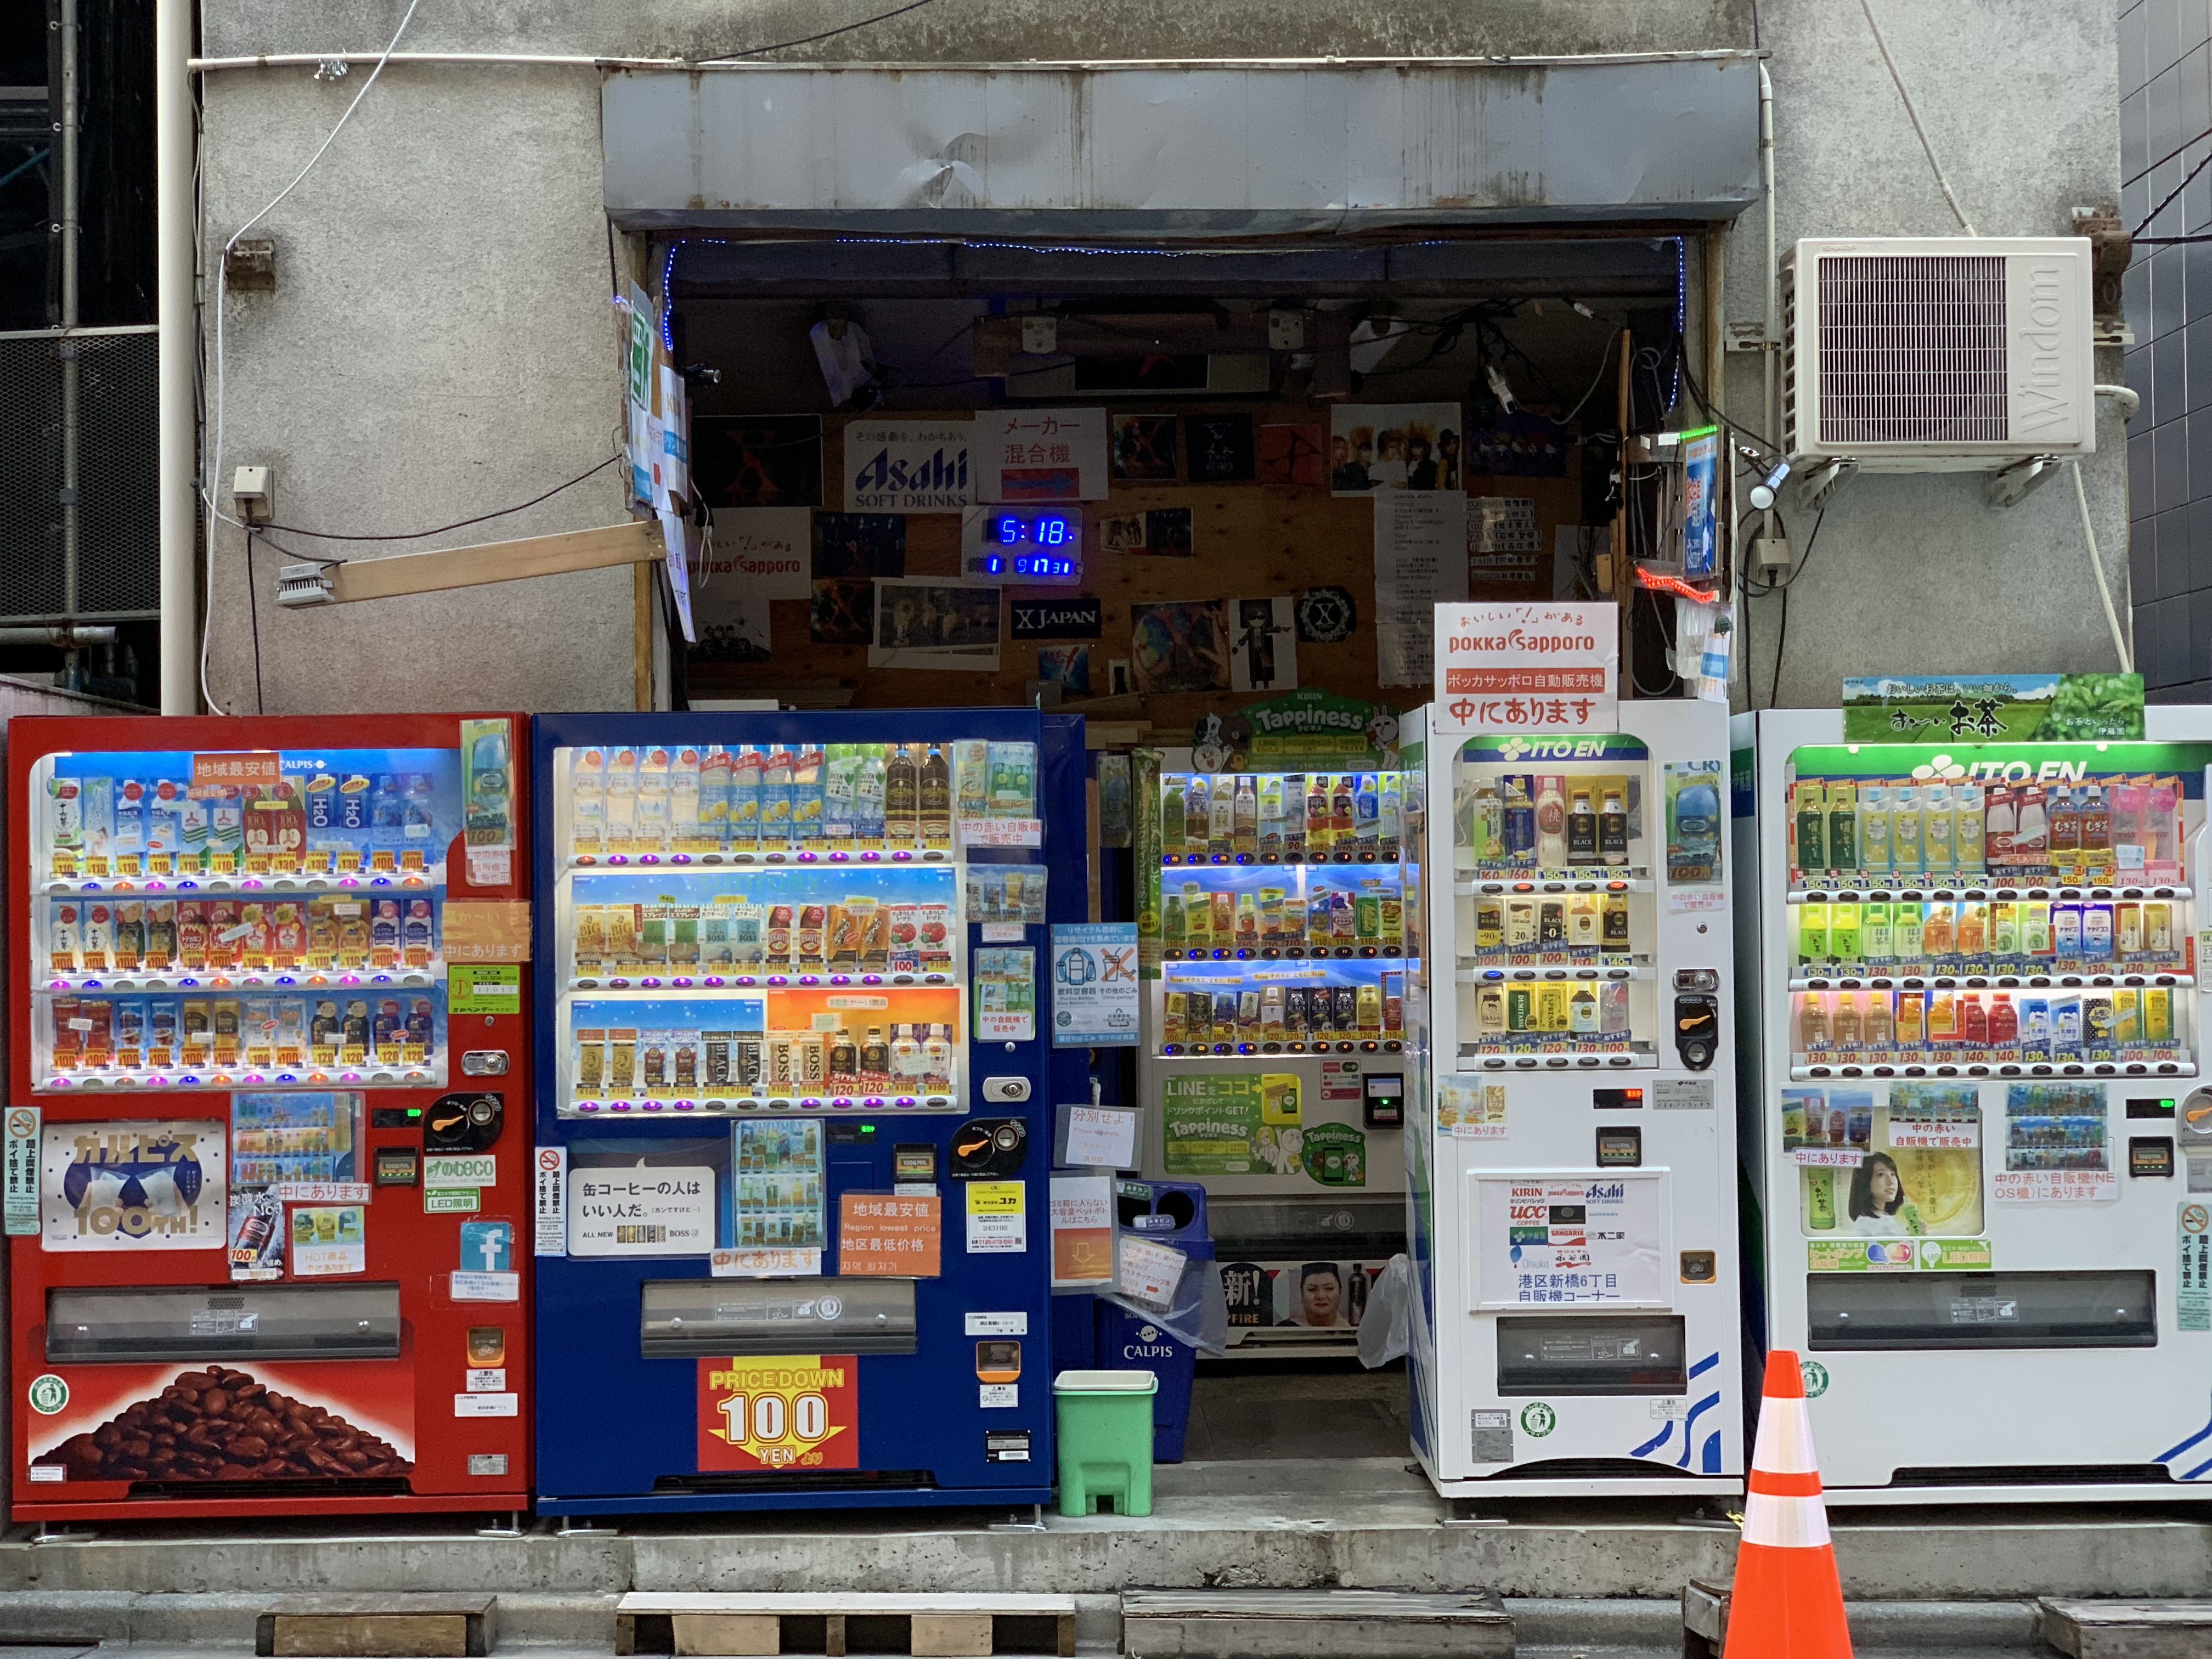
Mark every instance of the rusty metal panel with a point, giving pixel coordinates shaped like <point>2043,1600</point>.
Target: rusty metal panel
<point>1188,149</point>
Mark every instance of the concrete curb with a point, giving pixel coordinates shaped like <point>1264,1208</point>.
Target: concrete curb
<point>1876,1626</point>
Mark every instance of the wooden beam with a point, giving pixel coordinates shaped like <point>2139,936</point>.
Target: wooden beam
<point>635,543</point>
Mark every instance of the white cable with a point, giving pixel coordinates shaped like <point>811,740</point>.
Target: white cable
<point>213,471</point>
<point>1913,115</point>
<point>2120,643</point>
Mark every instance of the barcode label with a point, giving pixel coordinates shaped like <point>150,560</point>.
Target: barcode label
<point>651,1233</point>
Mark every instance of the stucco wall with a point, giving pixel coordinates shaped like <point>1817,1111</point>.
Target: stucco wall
<point>440,340</point>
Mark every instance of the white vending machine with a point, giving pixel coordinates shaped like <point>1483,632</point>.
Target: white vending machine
<point>1974,1125</point>
<point>1570,1145</point>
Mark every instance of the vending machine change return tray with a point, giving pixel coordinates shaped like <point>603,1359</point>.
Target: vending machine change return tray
<point>1942,1310</point>
<point>748,1319</point>
<point>133,1324</point>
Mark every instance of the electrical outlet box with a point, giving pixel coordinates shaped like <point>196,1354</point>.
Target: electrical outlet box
<point>252,491</point>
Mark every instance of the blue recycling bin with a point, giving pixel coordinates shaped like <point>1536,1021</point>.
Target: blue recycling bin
<point>1171,1212</point>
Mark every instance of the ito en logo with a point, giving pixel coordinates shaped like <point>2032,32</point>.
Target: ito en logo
<point>1939,768</point>
<point>1815,1377</point>
<point>1538,1419</point>
<point>48,1395</point>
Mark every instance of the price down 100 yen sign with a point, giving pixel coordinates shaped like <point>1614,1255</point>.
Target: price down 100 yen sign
<point>1527,667</point>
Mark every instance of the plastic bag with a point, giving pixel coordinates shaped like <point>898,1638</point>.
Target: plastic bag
<point>1160,1283</point>
<point>1382,1328</point>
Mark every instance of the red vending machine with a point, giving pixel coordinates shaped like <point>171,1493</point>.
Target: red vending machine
<point>269,1119</point>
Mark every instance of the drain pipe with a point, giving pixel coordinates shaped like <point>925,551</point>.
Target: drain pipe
<point>63,636</point>
<point>1771,348</point>
<point>176,280</point>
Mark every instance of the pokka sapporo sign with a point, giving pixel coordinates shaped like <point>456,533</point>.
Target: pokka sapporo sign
<point>1535,667</point>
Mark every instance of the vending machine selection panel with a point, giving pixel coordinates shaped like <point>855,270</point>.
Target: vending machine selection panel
<point>263,1190</point>
<point>1979,1038</point>
<point>1570,1142</point>
<point>793,1121</point>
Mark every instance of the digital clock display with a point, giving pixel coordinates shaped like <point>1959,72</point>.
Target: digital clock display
<point>1043,547</point>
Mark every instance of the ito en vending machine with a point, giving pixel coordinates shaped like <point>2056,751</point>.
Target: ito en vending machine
<point>1570,1147</point>
<point>1274,955</point>
<point>264,1196</point>
<point>1975,1125</point>
<point>794,1120</point>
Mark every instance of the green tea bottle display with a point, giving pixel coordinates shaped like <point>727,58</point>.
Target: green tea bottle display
<point>1842,828</point>
<point>1812,830</point>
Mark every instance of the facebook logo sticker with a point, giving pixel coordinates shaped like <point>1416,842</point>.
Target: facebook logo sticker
<point>486,1246</point>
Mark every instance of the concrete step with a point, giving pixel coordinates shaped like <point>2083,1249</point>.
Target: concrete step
<point>1318,1623</point>
<point>2128,1630</point>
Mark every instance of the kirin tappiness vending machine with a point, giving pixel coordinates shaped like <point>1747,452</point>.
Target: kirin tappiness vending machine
<point>264,1153</point>
<point>795,1114</point>
<point>1571,1150</point>
<point>1273,1041</point>
<point>1976,1129</point>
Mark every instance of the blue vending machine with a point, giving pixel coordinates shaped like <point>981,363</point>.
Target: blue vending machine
<point>795,1105</point>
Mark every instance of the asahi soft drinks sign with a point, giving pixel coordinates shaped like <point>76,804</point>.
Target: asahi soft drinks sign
<point>1527,667</point>
<point>907,466</point>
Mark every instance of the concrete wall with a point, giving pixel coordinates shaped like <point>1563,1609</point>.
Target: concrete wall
<point>439,343</point>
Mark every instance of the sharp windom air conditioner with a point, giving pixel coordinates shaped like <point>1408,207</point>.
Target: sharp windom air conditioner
<point>1928,355</point>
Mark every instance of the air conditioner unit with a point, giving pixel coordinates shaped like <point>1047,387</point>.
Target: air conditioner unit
<point>1938,354</point>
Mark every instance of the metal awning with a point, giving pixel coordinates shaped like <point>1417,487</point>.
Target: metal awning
<point>1184,149</point>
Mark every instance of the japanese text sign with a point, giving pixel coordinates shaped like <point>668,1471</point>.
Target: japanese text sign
<point>1512,667</point>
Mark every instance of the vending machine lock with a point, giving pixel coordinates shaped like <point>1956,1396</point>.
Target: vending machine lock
<point>1697,1026</point>
<point>462,1122</point>
<point>986,1147</point>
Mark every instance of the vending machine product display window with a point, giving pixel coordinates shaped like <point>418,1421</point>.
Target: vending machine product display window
<point>1569,1141</point>
<point>1978,1048</point>
<point>265,1220</point>
<point>793,1133</point>
<point>1274,951</point>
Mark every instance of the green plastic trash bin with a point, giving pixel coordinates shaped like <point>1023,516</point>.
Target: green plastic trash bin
<point>1105,1441</point>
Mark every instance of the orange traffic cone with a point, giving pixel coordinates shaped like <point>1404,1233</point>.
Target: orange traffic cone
<point>1787,1602</point>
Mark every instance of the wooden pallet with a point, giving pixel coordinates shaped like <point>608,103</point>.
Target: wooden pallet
<point>2178,1629</point>
<point>396,1625</point>
<point>1704,1617</point>
<point>929,1627</point>
<point>1320,1623</point>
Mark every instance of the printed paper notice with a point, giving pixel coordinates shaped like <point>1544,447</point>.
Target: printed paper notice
<point>551,1209</point>
<point>642,1210</point>
<point>2056,1146</point>
<point>1471,1108</point>
<point>1094,985</point>
<point>1147,1273</point>
<point>1572,1240</point>
<point>998,1219</point>
<point>1543,667</point>
<point>1100,1137</point>
<point>1420,562</point>
<point>1082,1231</point>
<point>328,1239</point>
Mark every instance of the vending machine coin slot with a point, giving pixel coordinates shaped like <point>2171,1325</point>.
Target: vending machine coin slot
<point>1697,1020</point>
<point>462,1123</point>
<point>1619,1147</point>
<point>989,1147</point>
<point>1699,1267</point>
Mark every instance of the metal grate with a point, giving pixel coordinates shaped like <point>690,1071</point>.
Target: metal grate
<point>118,562</point>
<point>1912,349</point>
